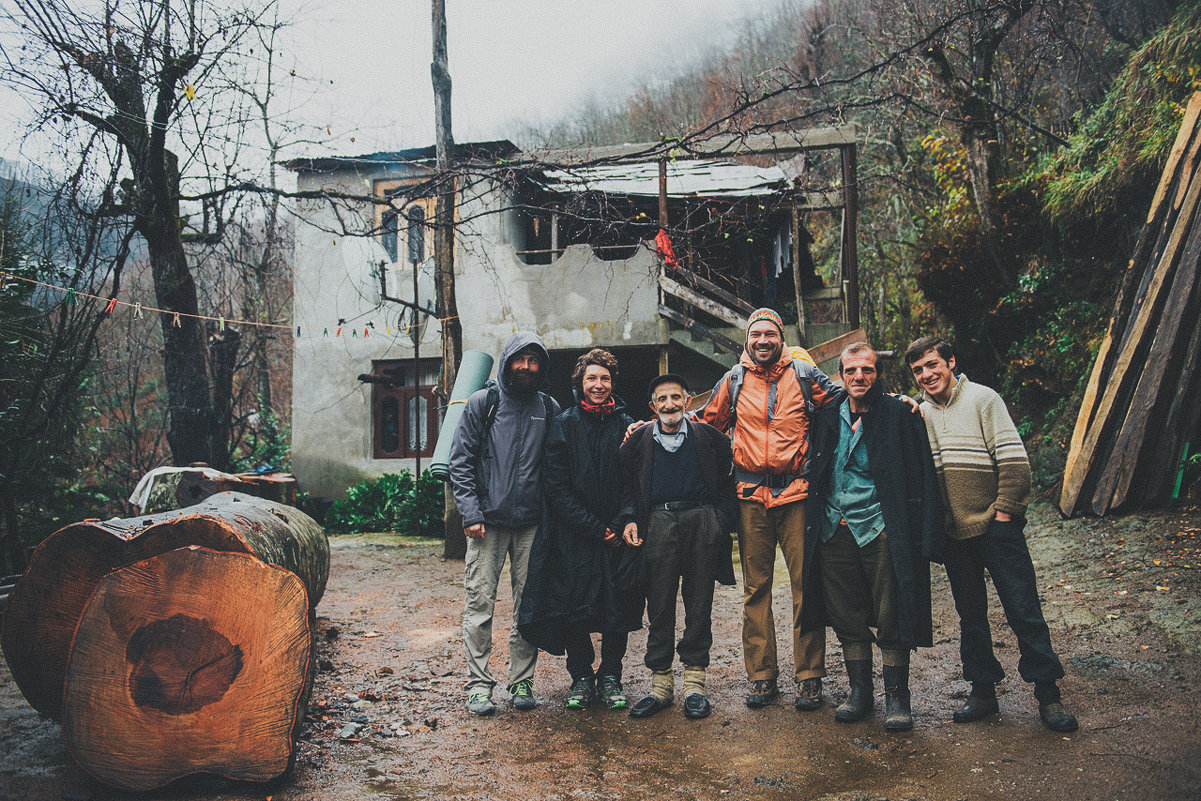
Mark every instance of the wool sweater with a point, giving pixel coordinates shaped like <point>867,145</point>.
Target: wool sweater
<point>980,459</point>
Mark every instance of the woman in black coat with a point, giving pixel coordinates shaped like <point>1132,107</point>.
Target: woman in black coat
<point>582,577</point>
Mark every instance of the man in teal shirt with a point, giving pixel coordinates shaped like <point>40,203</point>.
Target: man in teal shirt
<point>877,519</point>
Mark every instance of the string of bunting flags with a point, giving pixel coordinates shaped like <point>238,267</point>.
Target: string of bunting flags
<point>138,309</point>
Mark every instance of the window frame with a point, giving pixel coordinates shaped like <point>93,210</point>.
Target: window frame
<point>384,391</point>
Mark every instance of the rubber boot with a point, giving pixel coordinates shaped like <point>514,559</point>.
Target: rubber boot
<point>898,717</point>
<point>860,701</point>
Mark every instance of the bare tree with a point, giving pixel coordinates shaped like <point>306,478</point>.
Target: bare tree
<point>56,260</point>
<point>140,74</point>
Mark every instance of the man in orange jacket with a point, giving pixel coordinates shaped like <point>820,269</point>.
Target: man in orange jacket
<point>767,401</point>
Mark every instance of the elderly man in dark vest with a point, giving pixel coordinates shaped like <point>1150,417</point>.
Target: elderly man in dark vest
<point>678,504</point>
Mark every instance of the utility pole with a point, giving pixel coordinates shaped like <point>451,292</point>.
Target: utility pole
<point>444,210</point>
<point>455,542</point>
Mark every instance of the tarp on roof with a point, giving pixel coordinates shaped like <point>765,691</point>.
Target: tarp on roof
<point>424,156</point>
<point>698,178</point>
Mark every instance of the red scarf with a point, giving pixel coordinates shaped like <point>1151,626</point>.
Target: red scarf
<point>602,410</point>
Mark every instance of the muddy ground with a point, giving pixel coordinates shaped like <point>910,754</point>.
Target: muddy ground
<point>1122,596</point>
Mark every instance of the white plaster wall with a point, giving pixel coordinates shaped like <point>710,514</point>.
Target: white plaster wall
<point>576,302</point>
<point>335,278</point>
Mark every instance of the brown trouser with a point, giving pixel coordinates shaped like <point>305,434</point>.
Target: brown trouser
<point>760,530</point>
<point>860,591</point>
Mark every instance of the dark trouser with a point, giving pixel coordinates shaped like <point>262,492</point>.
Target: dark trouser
<point>1003,553</point>
<point>580,654</point>
<point>859,588</point>
<point>680,547</point>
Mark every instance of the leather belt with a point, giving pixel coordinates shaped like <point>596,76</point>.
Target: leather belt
<point>680,506</point>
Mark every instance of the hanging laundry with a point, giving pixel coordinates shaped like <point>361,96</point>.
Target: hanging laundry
<point>663,245</point>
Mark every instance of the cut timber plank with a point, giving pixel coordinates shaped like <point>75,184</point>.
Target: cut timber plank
<point>45,606</point>
<point>1129,363</point>
<point>192,661</point>
<point>1136,437</point>
<point>832,348</point>
<point>1091,429</point>
<point>1183,415</point>
<point>1191,114</point>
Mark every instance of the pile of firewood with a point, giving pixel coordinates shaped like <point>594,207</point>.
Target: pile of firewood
<point>173,644</point>
<point>1143,400</point>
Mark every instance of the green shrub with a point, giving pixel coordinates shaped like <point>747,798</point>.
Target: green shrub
<point>393,502</point>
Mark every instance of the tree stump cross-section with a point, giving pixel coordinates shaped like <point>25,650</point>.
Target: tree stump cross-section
<point>168,675</point>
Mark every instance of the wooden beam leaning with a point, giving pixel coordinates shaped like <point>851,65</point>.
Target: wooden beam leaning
<point>1143,263</point>
<point>1128,365</point>
<point>1183,413</point>
<point>1139,433</point>
<point>676,289</point>
<point>700,328</point>
<point>833,348</point>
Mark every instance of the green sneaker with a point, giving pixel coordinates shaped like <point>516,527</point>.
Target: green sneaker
<point>522,694</point>
<point>583,691</point>
<point>480,704</point>
<point>612,693</point>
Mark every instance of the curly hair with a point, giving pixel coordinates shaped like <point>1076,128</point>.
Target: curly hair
<point>597,356</point>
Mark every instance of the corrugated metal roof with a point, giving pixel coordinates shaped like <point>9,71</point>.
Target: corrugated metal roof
<point>700,178</point>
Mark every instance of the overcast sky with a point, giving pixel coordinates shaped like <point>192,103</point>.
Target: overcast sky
<point>511,62</point>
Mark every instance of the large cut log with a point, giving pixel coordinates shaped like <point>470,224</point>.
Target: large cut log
<point>191,661</point>
<point>45,605</point>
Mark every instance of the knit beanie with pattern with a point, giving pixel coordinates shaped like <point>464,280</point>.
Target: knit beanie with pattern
<point>765,314</point>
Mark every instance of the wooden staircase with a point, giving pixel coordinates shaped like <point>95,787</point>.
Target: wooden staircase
<point>710,321</point>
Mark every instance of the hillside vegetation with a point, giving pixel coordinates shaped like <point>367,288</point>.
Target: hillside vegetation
<point>1008,154</point>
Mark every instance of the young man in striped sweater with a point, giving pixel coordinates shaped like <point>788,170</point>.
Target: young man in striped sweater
<point>985,476</point>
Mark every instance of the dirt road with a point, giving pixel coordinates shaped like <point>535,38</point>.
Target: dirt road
<point>1122,597</point>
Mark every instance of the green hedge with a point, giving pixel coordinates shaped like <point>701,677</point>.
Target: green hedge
<point>393,502</point>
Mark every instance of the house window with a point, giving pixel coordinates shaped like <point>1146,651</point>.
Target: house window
<point>415,234</point>
<point>389,232</point>
<point>402,226</point>
<point>404,414</point>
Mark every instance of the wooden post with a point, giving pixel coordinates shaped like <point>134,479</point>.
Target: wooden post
<point>796,274</point>
<point>850,233</point>
<point>444,241</point>
<point>663,193</point>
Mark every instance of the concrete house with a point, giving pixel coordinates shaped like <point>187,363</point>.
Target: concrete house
<point>564,244</point>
